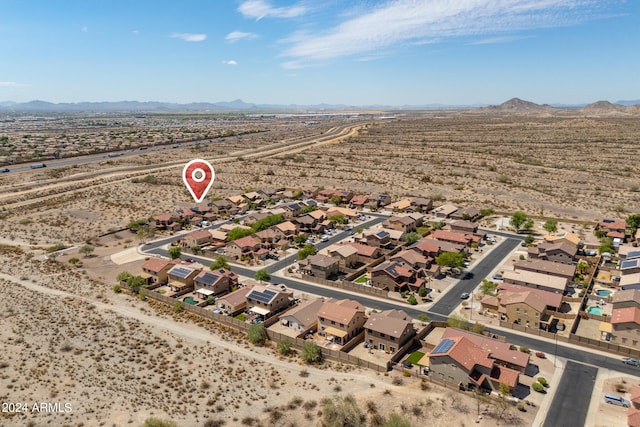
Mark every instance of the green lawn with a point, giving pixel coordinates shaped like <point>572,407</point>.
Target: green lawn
<point>361,279</point>
<point>241,317</point>
<point>415,357</point>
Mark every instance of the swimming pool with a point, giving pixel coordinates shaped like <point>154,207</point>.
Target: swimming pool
<point>603,293</point>
<point>594,310</point>
<point>190,300</point>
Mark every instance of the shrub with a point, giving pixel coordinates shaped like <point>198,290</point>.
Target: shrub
<point>311,352</point>
<point>177,307</point>
<point>284,347</point>
<point>412,300</point>
<point>521,407</point>
<point>117,289</point>
<point>257,334</point>
<point>538,387</point>
<point>543,381</point>
<point>157,422</point>
<point>525,349</point>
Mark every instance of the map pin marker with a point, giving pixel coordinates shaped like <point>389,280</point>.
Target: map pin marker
<point>198,175</point>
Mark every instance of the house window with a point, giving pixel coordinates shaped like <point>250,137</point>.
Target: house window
<point>342,325</point>
<point>382,335</point>
<point>322,319</point>
<point>613,337</point>
<point>634,343</point>
<point>518,310</point>
<point>624,340</point>
<point>392,338</point>
<point>526,312</point>
<point>537,325</point>
<point>333,323</point>
<point>381,347</point>
<point>537,315</point>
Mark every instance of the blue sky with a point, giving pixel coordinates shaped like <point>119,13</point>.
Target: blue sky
<point>362,52</point>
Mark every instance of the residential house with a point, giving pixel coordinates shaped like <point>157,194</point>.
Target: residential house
<point>630,281</point>
<point>625,324</point>
<point>633,414</point>
<point>218,237</point>
<point>324,195</point>
<point>626,298</point>
<point>460,361</point>
<point>310,193</point>
<point>564,237</point>
<point>388,330</point>
<point>235,302</point>
<point>269,236</point>
<point>244,247</point>
<point>165,221</point>
<point>464,226</point>
<point>470,214</point>
<point>558,252</point>
<point>268,300</point>
<point>393,276</point>
<point>454,237</point>
<point>287,228</point>
<point>524,308</point>
<point>349,214</point>
<point>292,210</point>
<point>346,255</point>
<point>181,277</point>
<point>197,238</point>
<point>318,215</point>
<point>155,270</point>
<point>237,200</point>
<point>366,254</point>
<point>413,259</point>
<point>376,237</point>
<point>420,204</point>
<point>359,201</point>
<point>185,215</point>
<point>428,247</point>
<point>629,266</point>
<point>400,205</point>
<point>303,318</point>
<point>615,228</point>
<point>536,280</point>
<point>210,283</point>
<point>377,201</point>
<point>552,300</point>
<point>307,223</point>
<point>345,196</point>
<point>222,207</point>
<point>444,211</point>
<point>402,223</point>
<point>321,266</point>
<point>542,266</point>
<point>340,320</point>
<point>501,352</point>
<point>251,219</point>
<point>628,252</point>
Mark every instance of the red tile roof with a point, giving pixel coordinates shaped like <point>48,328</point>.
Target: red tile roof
<point>155,264</point>
<point>363,250</point>
<point>499,350</point>
<point>626,315</point>
<point>247,241</point>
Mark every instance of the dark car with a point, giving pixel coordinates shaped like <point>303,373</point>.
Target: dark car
<point>4,170</point>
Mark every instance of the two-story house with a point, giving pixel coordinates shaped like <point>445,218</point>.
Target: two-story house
<point>268,300</point>
<point>341,320</point>
<point>321,266</point>
<point>389,330</point>
<point>216,282</point>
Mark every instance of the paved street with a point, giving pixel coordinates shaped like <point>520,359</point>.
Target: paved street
<point>571,400</point>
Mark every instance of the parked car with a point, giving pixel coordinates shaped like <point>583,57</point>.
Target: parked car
<point>497,276</point>
<point>540,355</point>
<point>631,361</point>
<point>324,239</point>
<point>614,399</point>
<point>4,170</point>
<point>464,295</point>
<point>491,239</point>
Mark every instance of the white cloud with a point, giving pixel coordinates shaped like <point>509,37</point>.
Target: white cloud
<point>11,84</point>
<point>234,36</point>
<point>229,62</point>
<point>499,39</point>
<point>259,9</point>
<point>409,22</point>
<point>188,37</point>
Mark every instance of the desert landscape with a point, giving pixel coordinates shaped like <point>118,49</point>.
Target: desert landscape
<point>119,360</point>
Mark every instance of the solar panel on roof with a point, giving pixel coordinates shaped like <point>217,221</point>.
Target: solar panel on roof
<point>264,296</point>
<point>180,272</point>
<point>629,263</point>
<point>443,347</point>
<point>208,278</point>
<point>382,234</point>
<point>633,254</point>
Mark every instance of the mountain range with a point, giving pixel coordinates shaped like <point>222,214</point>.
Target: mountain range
<point>514,104</point>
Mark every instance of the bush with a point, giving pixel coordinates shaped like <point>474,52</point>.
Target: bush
<point>525,349</point>
<point>177,307</point>
<point>340,412</point>
<point>538,387</point>
<point>412,300</point>
<point>157,422</point>
<point>257,334</point>
<point>284,347</point>
<point>117,289</point>
<point>311,352</point>
<point>543,381</point>
<point>396,420</point>
<point>521,407</point>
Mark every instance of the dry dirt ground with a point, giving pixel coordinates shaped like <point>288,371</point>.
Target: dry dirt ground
<point>67,337</point>
<point>117,361</point>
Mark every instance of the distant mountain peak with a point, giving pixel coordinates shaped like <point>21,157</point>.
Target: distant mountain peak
<point>519,104</point>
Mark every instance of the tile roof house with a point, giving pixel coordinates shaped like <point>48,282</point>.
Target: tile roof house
<point>304,316</point>
<point>365,253</point>
<point>197,238</point>
<point>165,221</point>
<point>321,266</point>
<point>613,225</point>
<point>470,214</point>
<point>464,226</point>
<point>454,237</point>
<point>459,360</point>
<point>245,246</point>
<point>564,237</point>
<point>155,270</point>
<point>551,268</point>
<point>341,320</point>
<point>181,277</point>
<point>536,280</point>
<point>412,258</point>
<point>359,201</point>
<point>625,324</point>
<point>501,352</point>
<point>444,211</point>
<point>428,247</point>
<point>420,204</point>
<point>633,414</point>
<point>395,277</point>
<point>630,281</point>
<point>235,302</point>
<point>210,283</point>
<point>346,255</point>
<point>268,300</point>
<point>402,223</point>
<point>287,228</point>
<point>553,300</point>
<point>558,252</point>
<point>524,308</point>
<point>376,237</point>
<point>389,330</point>
<point>400,205</point>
